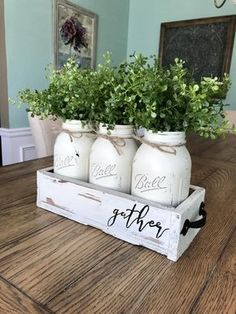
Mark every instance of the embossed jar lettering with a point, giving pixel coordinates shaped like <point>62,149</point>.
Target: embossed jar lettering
<point>98,172</point>
<point>61,162</point>
<point>72,149</point>
<point>144,183</point>
<point>111,158</point>
<point>162,175</point>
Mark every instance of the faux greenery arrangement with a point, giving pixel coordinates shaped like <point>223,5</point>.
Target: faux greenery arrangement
<point>169,100</point>
<point>119,90</point>
<point>138,92</point>
<point>67,96</point>
<point>142,93</point>
<point>110,91</point>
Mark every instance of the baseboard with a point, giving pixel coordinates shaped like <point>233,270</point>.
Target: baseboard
<point>17,145</point>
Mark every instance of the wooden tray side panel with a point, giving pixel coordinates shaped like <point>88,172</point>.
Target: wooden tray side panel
<point>137,223</point>
<point>126,219</point>
<point>119,215</point>
<point>189,210</point>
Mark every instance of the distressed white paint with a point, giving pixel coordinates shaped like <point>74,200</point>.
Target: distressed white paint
<point>162,176</point>
<point>111,160</point>
<point>96,206</point>
<point>17,145</point>
<point>72,149</point>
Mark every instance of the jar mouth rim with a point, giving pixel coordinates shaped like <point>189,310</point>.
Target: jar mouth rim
<point>165,138</point>
<point>117,126</point>
<point>73,121</point>
<point>119,130</point>
<point>165,133</point>
<point>76,125</point>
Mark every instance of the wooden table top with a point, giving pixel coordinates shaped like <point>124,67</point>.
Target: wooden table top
<point>49,264</point>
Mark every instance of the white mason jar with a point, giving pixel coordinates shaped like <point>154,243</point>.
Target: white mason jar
<point>111,161</point>
<point>161,176</point>
<point>72,149</point>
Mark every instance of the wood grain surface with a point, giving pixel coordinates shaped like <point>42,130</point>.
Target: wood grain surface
<point>14,301</point>
<point>222,149</point>
<point>69,248</point>
<point>219,294</point>
<point>49,264</point>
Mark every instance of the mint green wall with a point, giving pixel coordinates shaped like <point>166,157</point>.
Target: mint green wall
<point>113,18</point>
<point>146,16</point>
<point>29,42</point>
<point>28,36</point>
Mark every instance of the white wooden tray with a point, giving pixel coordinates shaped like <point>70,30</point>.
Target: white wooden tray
<point>167,230</point>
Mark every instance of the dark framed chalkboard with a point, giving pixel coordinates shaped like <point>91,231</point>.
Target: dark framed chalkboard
<point>204,44</point>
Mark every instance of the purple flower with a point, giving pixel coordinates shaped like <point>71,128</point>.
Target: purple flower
<point>73,33</point>
<point>68,31</point>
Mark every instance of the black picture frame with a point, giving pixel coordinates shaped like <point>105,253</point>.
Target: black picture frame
<point>205,44</point>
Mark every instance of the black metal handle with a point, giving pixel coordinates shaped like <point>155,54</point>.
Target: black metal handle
<point>195,224</point>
